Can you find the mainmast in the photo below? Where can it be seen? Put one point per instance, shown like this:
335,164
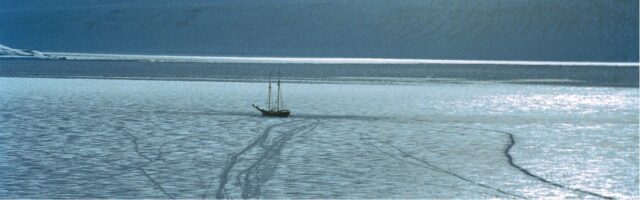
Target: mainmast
279,97
269,96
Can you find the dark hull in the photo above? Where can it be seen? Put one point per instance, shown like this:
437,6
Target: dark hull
273,113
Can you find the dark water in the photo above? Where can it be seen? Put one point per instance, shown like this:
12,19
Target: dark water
369,74
568,30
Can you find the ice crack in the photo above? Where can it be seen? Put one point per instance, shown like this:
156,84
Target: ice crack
429,165
526,172
263,167
510,159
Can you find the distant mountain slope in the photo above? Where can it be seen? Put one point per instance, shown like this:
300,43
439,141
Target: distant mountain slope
8,52
568,30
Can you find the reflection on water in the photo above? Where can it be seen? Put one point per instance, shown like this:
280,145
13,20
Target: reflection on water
584,103
66,138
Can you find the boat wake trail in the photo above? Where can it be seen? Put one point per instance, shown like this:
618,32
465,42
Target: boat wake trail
512,142
397,153
255,164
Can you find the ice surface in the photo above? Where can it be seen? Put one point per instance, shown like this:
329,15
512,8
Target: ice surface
81,138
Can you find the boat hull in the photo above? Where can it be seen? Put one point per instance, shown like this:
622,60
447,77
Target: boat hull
273,113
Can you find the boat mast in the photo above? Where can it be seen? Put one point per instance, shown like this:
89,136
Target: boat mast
278,97
281,101
269,96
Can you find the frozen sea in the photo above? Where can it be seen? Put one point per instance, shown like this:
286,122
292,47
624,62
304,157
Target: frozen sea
375,138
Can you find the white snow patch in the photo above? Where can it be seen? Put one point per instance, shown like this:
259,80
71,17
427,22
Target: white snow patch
299,60
13,53
8,52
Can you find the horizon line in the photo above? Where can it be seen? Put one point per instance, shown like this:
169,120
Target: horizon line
311,60
324,60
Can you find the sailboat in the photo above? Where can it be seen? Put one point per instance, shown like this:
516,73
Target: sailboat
276,110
